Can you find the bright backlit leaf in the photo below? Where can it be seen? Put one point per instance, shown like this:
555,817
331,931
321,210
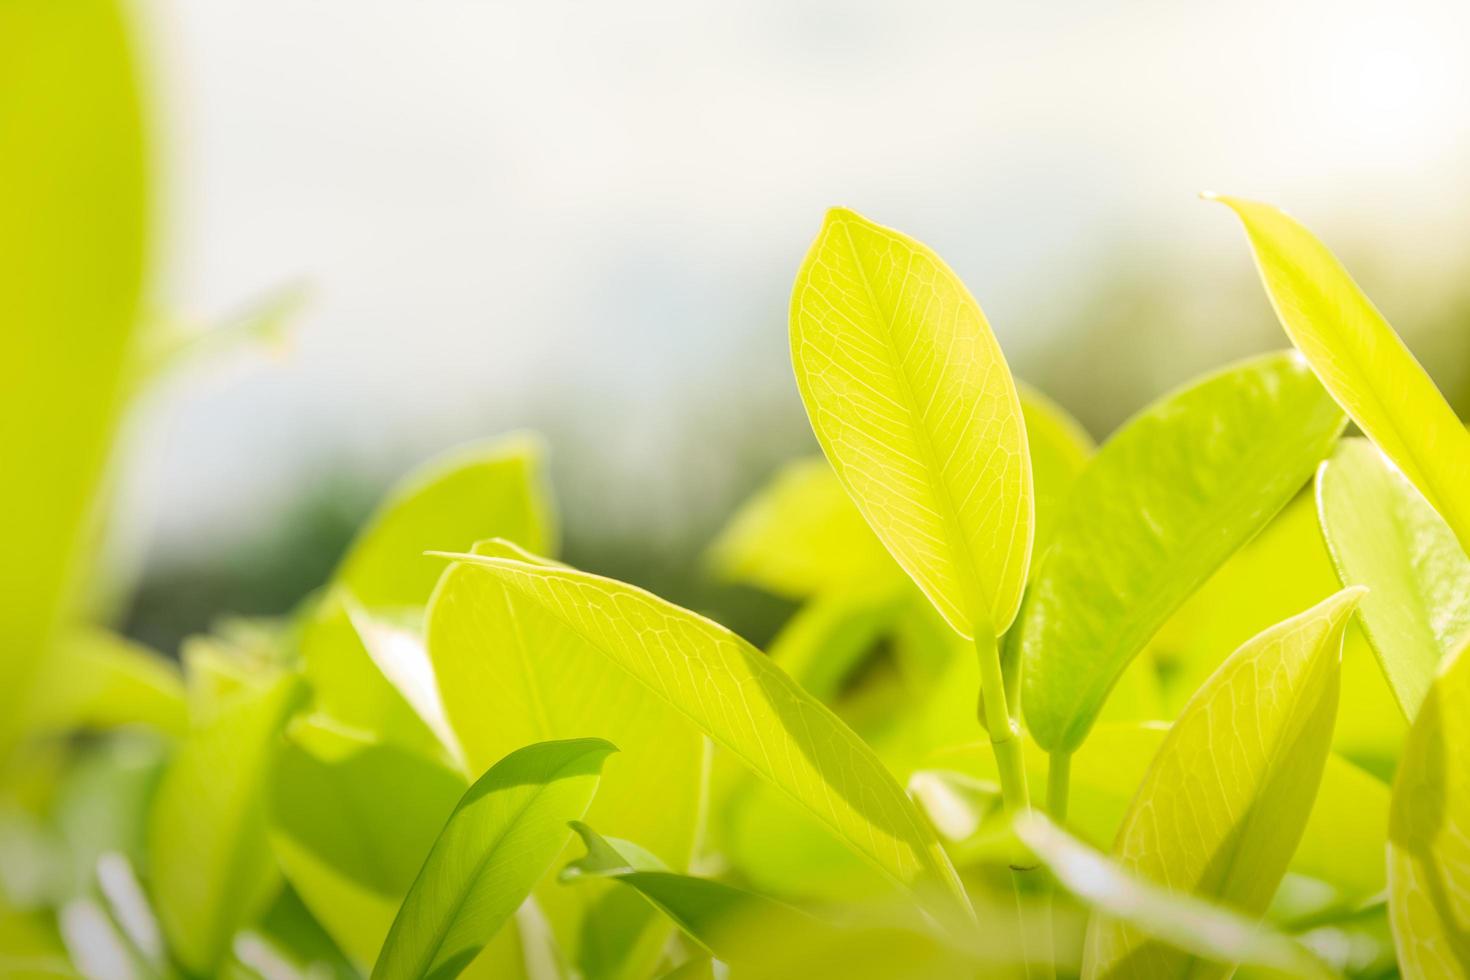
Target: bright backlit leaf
73,220
1226,799
1188,924
1384,535
1060,449
209,860
490,490
502,837
1361,360
1162,505
914,406
512,672
1429,833
743,702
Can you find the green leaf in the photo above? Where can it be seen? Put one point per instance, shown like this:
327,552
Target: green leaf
1226,799
1162,505
743,702
1429,833
351,823
720,918
502,837
350,687
512,672
1384,535
801,536
1060,449
73,230
209,860
486,490
1281,571
1361,360
913,404
1187,924
97,679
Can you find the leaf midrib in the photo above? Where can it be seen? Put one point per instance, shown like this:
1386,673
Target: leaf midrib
949,513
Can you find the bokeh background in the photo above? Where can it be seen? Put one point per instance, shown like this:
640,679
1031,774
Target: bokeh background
584,219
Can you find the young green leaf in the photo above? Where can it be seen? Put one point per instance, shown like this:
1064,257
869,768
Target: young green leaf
1188,924
1060,449
1429,833
736,696
502,837
1162,505
1361,360
718,917
351,822
73,228
209,860
1384,535
1228,795
511,672
485,490
914,406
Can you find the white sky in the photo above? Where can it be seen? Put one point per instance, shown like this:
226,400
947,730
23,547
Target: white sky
504,206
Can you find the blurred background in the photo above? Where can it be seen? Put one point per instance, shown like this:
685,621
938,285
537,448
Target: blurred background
584,219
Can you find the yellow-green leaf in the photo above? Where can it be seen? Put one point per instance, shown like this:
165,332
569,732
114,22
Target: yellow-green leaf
1162,505
209,860
1429,833
98,679
914,406
73,222
487,490
1384,535
743,702
499,841
511,672
1361,360
1226,799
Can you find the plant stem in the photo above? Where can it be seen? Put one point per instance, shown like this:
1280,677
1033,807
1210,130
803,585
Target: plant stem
1005,736
1058,782
1005,742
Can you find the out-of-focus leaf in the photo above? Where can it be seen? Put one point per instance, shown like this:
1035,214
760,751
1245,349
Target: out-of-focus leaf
1188,924
502,837
209,861
351,823
914,406
716,916
103,802
512,672
1384,535
480,491
1341,846
801,536
1060,449
286,944
347,683
1162,505
73,218
30,947
1284,569
1227,797
743,702
1429,833
825,641
97,679
169,344
1361,360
